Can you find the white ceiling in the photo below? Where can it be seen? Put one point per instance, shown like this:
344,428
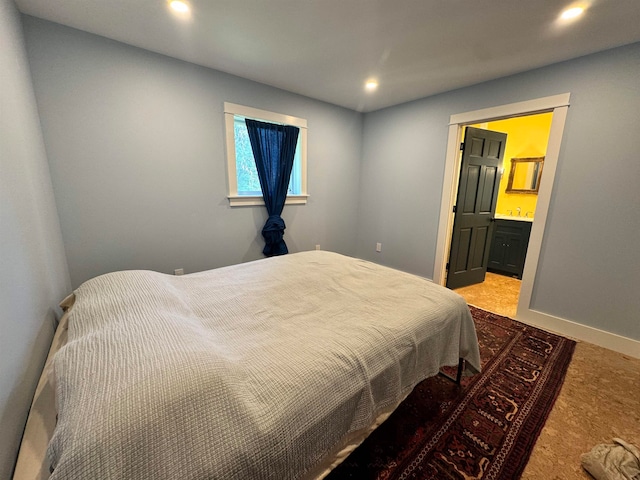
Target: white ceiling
326,49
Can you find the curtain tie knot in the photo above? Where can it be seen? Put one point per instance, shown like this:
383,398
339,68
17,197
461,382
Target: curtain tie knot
273,231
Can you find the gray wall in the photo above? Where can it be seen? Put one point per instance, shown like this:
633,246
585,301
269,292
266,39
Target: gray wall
136,150
589,270
33,271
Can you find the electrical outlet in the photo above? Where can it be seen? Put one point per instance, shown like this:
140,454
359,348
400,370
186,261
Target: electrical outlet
378,247
178,271
317,247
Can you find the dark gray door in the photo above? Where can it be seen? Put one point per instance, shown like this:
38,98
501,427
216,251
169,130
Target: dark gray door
475,206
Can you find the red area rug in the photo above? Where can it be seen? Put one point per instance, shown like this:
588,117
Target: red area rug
484,429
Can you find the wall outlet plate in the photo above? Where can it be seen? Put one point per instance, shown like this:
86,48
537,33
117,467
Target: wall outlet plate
178,271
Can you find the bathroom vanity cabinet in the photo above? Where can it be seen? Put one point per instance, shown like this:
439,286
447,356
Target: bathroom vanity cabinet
509,247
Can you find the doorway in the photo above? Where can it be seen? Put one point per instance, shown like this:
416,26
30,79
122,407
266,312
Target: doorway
497,286
556,105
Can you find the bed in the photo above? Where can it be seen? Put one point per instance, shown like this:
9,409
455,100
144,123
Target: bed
276,368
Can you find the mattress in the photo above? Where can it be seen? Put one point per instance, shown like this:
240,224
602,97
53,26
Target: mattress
267,369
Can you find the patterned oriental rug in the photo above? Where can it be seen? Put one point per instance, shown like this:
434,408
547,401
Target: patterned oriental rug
484,429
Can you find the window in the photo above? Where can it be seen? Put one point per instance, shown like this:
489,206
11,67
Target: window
243,182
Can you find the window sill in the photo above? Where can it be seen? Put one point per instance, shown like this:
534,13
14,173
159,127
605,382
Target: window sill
248,201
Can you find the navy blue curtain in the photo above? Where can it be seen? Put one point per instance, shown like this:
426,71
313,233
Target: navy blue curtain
274,148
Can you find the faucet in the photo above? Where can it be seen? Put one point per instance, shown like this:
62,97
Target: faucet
519,210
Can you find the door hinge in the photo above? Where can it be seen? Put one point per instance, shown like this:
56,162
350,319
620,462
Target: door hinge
462,146
454,209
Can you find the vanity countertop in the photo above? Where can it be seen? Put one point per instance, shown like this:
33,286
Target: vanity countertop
501,216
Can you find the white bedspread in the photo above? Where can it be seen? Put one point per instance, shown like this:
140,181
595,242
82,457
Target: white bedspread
256,371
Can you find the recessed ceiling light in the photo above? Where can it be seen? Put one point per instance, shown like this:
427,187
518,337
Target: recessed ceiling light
371,85
571,13
179,6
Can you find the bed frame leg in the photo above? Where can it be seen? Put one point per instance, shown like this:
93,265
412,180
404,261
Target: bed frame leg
458,377
460,370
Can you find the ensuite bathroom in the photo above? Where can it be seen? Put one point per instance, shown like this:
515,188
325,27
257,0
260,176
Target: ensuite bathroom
523,164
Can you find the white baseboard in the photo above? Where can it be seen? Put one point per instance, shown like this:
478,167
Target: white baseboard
567,328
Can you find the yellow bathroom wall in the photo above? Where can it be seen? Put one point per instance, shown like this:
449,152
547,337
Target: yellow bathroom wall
526,137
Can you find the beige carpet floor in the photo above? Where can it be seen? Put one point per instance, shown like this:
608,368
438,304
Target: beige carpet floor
600,398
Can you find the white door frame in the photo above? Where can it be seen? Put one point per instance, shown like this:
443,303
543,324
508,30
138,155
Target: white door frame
558,104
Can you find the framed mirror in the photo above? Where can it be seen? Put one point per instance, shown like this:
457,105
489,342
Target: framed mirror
525,174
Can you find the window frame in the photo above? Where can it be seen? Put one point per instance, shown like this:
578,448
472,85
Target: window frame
232,110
